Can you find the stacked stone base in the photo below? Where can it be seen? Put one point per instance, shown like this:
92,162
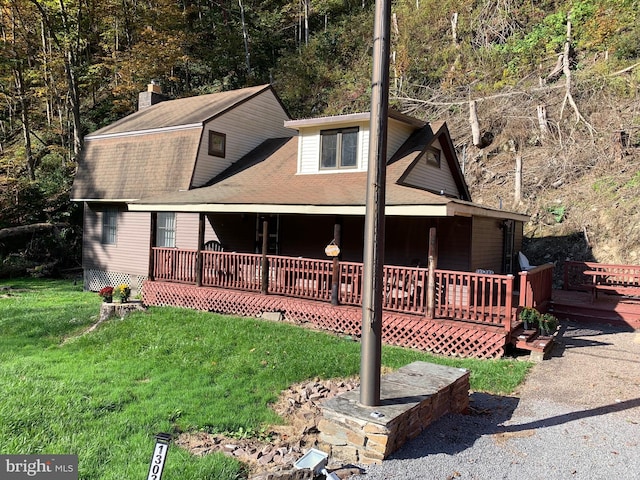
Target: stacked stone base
411,399
108,310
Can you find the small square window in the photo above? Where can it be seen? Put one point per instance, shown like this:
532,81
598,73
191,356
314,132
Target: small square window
432,155
217,144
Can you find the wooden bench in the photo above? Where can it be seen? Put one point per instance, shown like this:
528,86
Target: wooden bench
618,283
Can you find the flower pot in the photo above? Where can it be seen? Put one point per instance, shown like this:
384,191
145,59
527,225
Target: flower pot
107,299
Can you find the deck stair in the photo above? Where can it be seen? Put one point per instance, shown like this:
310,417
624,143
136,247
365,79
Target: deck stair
530,340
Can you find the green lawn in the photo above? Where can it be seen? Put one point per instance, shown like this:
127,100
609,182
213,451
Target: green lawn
104,395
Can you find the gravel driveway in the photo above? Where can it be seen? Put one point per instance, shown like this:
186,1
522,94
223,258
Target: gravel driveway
577,416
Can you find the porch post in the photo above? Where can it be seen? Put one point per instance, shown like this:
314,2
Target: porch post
265,266
152,243
200,245
371,348
335,282
432,264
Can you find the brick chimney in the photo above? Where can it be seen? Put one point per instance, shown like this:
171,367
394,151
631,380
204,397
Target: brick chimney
152,96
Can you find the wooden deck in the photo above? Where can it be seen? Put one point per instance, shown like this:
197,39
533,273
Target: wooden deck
608,309
441,336
466,314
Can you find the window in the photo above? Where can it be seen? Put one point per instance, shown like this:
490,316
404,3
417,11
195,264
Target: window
109,226
339,148
432,155
217,144
166,229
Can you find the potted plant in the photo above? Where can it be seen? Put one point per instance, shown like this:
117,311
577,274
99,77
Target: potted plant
548,324
107,294
529,316
122,292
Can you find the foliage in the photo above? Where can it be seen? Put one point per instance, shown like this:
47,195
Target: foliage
70,67
529,316
104,394
122,292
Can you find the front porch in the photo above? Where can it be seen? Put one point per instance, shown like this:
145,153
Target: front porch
462,314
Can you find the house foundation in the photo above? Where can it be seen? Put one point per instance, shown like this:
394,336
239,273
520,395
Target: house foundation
411,399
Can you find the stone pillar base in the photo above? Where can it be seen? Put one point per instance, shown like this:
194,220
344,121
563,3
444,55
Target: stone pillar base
411,399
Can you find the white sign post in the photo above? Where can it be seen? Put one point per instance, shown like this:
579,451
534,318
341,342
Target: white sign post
159,456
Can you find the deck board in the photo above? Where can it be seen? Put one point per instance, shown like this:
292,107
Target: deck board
612,309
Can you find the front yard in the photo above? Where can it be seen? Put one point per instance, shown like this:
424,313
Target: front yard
104,395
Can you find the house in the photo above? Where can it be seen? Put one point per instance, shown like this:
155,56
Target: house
224,203
236,159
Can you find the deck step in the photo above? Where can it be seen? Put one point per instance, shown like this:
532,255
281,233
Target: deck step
531,341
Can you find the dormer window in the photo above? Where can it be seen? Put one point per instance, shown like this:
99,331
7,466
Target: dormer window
339,148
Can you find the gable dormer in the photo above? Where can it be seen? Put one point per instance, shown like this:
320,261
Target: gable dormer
340,144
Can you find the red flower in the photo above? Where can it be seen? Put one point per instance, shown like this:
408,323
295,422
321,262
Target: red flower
106,292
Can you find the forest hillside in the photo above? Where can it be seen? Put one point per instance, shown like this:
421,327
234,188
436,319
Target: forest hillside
541,98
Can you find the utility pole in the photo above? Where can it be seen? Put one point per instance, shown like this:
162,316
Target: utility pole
373,255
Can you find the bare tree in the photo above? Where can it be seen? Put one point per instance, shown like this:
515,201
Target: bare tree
566,69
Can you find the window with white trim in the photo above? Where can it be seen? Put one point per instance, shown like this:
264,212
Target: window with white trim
109,226
166,229
339,148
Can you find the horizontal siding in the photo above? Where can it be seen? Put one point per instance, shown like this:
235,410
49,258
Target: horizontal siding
245,127
309,145
487,244
309,148
432,178
129,255
398,133
187,231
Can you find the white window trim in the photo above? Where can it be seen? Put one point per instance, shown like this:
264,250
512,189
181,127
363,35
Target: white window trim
339,132
109,233
162,230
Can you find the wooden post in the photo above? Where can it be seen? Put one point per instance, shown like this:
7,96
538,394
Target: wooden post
335,279
265,263
199,255
152,243
433,264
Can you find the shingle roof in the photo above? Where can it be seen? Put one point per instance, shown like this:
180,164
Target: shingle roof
182,111
132,167
268,176
151,151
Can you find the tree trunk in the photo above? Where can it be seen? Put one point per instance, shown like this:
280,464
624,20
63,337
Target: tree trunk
517,195
475,126
24,115
245,38
542,122
454,28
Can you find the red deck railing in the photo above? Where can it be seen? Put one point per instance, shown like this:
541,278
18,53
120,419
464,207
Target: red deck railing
575,278
536,287
475,297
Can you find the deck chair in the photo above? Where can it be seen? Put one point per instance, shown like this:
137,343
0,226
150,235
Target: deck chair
213,246
524,262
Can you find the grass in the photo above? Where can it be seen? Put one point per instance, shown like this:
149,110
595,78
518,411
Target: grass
104,395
